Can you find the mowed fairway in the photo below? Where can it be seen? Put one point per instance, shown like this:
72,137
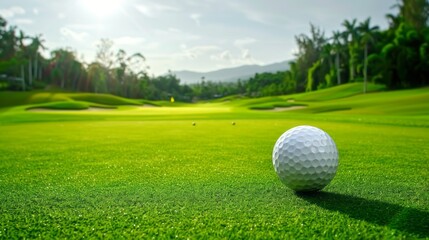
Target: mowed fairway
149,173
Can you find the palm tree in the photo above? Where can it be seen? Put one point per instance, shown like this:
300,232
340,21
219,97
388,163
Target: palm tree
367,33
36,44
337,47
393,20
23,53
351,34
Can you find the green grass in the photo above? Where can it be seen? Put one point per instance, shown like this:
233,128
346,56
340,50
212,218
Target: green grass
342,91
137,172
273,105
348,99
68,105
406,102
12,99
168,178
321,97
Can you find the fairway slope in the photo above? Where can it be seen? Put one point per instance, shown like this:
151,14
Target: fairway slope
337,92
404,102
68,105
12,99
304,99
347,99
394,107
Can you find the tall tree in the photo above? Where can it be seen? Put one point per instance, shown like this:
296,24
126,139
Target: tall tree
97,77
105,56
415,13
61,67
35,46
351,34
8,40
337,48
309,52
367,37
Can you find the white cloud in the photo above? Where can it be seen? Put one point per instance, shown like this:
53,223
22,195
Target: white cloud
177,35
36,11
242,42
12,11
226,55
77,36
196,17
154,9
227,59
145,10
152,45
223,56
165,8
174,30
127,40
245,54
61,15
254,15
240,56
86,27
23,21
198,51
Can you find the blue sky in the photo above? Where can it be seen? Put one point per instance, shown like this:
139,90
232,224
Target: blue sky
199,35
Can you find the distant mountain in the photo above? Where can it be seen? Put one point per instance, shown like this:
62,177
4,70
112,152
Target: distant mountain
230,74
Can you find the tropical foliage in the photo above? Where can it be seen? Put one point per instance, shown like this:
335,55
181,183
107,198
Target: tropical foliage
397,57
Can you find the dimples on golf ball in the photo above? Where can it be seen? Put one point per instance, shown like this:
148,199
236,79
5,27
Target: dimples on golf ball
305,158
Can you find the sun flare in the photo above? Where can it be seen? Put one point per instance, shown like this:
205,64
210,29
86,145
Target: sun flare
101,8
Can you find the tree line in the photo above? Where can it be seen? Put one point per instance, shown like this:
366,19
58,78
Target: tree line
359,52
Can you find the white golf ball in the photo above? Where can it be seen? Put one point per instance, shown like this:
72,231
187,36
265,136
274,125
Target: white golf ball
305,158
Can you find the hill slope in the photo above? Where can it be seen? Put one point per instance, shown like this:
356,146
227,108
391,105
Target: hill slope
346,99
230,74
11,99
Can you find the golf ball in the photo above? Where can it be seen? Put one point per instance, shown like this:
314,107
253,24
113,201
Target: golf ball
305,158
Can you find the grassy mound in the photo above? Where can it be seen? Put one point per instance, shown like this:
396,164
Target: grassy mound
273,105
11,99
342,91
301,99
403,102
106,99
65,105
348,98
251,102
69,105
150,103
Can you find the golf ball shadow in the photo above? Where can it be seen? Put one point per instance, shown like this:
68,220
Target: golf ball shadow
405,219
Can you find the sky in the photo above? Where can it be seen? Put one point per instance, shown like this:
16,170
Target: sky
197,35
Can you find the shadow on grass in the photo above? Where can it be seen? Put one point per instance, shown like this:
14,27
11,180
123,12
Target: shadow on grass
394,216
